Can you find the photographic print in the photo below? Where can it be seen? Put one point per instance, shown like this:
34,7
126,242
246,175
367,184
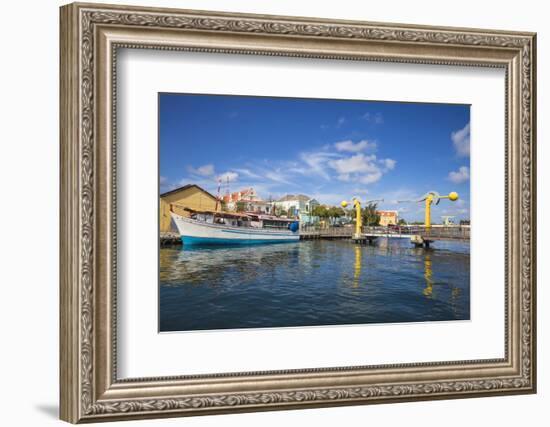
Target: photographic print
287,212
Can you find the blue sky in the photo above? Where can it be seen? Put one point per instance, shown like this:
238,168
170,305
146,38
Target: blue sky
331,150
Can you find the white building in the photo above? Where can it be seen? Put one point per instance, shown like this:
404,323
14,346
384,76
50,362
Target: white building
257,206
250,200
296,205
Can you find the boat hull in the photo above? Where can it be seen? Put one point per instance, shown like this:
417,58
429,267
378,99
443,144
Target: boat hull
194,232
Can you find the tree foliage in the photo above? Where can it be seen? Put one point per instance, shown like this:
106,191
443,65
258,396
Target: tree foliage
324,212
320,211
336,212
370,216
241,206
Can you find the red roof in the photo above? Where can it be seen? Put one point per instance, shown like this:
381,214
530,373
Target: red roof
238,195
387,213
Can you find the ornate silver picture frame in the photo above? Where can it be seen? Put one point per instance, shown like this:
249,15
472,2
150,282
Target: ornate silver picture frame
91,390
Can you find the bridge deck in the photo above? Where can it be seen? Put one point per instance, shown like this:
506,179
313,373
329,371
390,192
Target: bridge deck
428,234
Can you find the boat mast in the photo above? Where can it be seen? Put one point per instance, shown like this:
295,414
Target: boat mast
218,195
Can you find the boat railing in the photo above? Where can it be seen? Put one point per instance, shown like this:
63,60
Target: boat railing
435,232
244,222
328,231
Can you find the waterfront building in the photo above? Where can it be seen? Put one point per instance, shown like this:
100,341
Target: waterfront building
298,206
388,218
189,196
249,199
448,220
258,206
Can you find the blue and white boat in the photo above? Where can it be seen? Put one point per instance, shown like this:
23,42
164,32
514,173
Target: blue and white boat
227,228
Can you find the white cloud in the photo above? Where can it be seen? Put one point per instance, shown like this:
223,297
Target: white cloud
204,170
376,118
395,197
460,176
361,168
358,163
316,162
331,199
371,178
228,177
341,121
248,173
166,185
185,181
352,147
461,141
170,186
277,176
453,211
389,164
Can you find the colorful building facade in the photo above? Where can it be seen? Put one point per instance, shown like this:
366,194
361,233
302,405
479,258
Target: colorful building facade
189,196
388,218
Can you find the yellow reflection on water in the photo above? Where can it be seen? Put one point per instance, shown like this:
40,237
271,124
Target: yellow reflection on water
428,273
428,290
357,266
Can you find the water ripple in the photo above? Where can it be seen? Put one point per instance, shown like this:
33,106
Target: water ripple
312,283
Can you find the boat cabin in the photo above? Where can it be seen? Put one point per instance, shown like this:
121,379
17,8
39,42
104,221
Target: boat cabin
222,218
270,221
247,219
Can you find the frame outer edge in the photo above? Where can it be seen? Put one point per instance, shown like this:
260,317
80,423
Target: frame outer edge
77,339
533,218
69,355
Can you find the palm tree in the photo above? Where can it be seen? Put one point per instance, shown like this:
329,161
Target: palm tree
370,216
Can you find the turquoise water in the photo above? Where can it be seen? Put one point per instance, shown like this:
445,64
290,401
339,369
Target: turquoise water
311,283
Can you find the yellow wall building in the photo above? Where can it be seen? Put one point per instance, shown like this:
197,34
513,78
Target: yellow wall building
388,218
189,196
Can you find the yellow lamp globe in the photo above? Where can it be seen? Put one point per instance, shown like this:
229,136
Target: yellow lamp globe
453,196
344,204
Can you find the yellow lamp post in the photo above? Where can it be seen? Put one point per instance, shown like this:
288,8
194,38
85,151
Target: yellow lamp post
434,197
428,199
358,215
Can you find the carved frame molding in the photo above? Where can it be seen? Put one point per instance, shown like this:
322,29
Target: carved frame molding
90,37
